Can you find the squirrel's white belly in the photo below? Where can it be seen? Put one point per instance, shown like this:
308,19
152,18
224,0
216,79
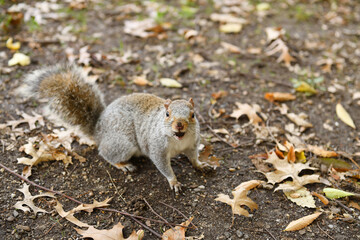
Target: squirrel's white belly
178,146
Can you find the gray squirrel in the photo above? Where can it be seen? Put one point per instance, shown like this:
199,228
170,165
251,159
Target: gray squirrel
138,124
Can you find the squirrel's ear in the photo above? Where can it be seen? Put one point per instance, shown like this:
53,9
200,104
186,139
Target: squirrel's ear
167,103
191,102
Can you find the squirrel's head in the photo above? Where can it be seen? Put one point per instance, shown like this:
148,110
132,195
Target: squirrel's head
180,115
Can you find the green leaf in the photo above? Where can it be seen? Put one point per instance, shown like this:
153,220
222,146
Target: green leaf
333,193
336,163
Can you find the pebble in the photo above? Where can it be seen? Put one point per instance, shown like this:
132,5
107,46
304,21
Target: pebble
331,226
10,218
15,213
12,195
22,227
239,234
227,235
302,231
232,169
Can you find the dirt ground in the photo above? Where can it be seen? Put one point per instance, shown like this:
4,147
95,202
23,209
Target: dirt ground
314,30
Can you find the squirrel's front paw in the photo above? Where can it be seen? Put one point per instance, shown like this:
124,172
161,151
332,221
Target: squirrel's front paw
175,185
204,166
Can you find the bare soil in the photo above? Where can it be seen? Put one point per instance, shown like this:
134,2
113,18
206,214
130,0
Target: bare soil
245,76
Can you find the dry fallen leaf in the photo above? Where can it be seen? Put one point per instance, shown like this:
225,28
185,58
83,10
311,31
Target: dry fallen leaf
42,152
116,233
141,81
82,207
31,120
279,97
302,222
171,83
285,169
354,205
219,94
344,116
274,33
249,111
299,120
319,151
230,47
279,46
177,233
29,200
227,18
204,156
141,28
240,198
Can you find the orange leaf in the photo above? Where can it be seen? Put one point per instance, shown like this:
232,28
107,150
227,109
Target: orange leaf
279,153
302,222
291,155
354,205
219,94
279,96
204,156
322,198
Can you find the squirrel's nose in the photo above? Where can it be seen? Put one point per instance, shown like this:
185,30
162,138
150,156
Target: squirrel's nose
179,126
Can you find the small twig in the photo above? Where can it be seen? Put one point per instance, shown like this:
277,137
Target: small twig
324,231
50,228
342,205
200,117
220,138
209,111
270,234
177,210
116,190
158,214
133,217
272,136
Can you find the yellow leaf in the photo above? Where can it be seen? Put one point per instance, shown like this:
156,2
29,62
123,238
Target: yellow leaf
344,115
305,87
262,7
168,82
301,197
19,58
302,222
11,45
230,28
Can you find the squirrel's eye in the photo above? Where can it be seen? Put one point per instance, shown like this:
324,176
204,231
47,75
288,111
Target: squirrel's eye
193,115
167,114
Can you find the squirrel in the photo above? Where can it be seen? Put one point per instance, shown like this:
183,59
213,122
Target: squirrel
138,124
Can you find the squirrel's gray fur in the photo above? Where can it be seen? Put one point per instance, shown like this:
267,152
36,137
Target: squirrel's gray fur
133,125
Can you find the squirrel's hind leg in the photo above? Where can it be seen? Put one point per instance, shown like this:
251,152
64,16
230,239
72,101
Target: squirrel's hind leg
118,153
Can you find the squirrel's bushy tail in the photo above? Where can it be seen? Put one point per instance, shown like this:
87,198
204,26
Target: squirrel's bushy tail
71,97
